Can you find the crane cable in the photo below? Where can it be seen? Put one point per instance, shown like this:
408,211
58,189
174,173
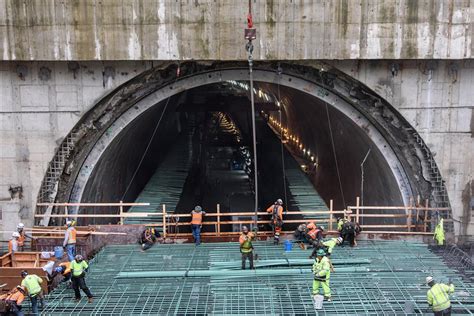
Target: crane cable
249,49
279,72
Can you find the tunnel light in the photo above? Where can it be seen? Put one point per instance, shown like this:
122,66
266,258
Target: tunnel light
309,152
304,151
278,103
312,158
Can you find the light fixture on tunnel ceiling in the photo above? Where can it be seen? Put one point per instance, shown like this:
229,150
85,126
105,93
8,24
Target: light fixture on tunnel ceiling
301,146
304,151
278,103
312,158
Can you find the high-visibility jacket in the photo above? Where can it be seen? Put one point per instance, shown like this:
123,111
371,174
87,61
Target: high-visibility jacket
313,234
67,266
439,233
322,268
331,243
69,236
245,241
78,268
277,211
196,217
311,226
16,297
13,245
32,283
438,296
340,223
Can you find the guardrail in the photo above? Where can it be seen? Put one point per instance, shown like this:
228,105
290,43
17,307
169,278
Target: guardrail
416,219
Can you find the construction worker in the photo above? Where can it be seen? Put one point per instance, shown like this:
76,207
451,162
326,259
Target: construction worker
63,268
78,272
13,243
315,234
196,223
148,238
439,233
32,284
349,232
277,219
21,241
300,233
13,300
438,296
322,273
70,240
246,247
327,246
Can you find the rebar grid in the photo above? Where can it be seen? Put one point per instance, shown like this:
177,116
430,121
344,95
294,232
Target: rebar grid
391,282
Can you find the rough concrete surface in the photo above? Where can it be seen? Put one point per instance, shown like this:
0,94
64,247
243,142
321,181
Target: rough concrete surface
210,29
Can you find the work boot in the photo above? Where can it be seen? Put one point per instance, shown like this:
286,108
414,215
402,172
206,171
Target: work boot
90,300
77,300
328,299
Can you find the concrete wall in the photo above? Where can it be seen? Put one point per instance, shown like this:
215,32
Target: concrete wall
210,29
37,111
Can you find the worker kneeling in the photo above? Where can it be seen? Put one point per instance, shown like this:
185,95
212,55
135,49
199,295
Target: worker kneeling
246,247
79,267
148,238
13,300
322,274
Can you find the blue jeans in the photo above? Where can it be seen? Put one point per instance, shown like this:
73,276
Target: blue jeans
196,233
34,304
71,251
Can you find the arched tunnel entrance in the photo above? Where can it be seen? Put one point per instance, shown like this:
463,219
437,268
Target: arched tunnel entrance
185,140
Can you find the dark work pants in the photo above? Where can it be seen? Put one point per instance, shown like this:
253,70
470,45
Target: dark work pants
80,282
444,312
147,245
350,237
246,255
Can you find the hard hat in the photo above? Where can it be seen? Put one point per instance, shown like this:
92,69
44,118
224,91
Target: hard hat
321,253
198,208
279,201
20,226
429,279
20,288
24,273
59,269
339,239
68,223
16,235
78,258
245,229
321,227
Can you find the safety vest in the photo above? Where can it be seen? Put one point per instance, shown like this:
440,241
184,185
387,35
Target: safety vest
21,239
67,266
196,218
340,223
16,297
322,268
32,284
438,296
246,242
439,233
311,226
314,233
71,238
331,243
78,268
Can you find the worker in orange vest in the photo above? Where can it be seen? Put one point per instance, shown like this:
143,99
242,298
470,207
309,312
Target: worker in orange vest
21,241
315,234
13,300
70,240
63,268
196,223
277,219
13,243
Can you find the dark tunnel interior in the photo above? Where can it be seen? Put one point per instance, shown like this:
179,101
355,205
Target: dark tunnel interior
202,151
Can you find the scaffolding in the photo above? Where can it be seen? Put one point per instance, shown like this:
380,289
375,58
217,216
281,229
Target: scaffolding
375,278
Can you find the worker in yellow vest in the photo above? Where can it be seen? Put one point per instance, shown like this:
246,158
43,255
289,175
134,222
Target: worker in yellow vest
438,297
439,233
196,223
246,247
322,273
78,273
32,284
70,240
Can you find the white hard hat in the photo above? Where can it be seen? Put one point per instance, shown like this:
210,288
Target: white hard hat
279,201
339,239
429,279
20,226
321,227
16,235
68,223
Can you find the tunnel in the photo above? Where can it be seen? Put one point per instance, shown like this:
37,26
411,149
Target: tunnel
182,133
